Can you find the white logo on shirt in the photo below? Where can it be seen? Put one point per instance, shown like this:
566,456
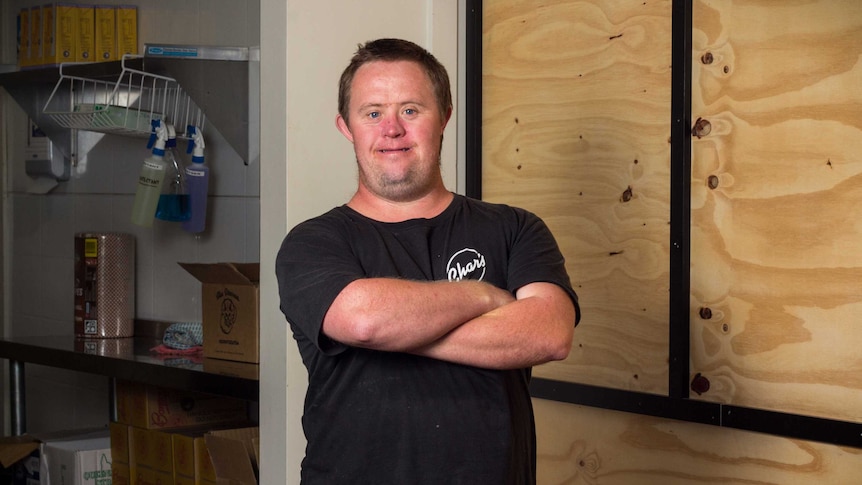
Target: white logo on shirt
466,264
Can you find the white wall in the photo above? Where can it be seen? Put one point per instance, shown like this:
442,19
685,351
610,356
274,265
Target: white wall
308,167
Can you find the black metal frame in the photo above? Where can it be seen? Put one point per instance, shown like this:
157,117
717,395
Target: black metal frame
473,96
677,404
680,196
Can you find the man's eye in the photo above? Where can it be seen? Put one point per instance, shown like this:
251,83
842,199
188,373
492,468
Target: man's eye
374,114
410,111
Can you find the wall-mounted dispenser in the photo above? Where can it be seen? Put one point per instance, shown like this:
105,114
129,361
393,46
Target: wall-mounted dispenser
44,168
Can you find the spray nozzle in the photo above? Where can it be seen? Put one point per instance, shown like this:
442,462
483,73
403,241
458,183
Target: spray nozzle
155,126
196,144
159,135
172,136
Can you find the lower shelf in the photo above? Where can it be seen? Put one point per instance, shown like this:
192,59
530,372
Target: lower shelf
132,359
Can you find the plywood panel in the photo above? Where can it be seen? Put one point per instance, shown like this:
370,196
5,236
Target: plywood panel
582,445
777,205
576,120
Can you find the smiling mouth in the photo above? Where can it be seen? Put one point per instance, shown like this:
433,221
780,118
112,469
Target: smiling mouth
394,150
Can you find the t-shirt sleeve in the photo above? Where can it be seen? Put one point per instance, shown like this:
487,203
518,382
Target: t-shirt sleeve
315,262
536,257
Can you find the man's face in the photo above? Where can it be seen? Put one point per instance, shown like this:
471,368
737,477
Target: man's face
396,129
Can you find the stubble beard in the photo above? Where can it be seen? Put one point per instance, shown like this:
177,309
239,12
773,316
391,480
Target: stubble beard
410,186
407,187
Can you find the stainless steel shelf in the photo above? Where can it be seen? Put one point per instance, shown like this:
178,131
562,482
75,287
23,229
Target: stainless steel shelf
125,358
133,361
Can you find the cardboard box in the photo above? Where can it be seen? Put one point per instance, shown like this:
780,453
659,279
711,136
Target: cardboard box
85,44
106,33
120,440
181,456
230,299
127,30
192,462
120,474
146,476
21,456
235,454
121,468
151,449
152,407
150,456
232,368
78,462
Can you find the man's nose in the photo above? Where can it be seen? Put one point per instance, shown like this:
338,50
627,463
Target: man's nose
393,126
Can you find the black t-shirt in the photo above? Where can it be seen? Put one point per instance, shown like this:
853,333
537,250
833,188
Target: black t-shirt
395,418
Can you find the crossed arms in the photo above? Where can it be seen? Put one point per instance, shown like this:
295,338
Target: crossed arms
466,322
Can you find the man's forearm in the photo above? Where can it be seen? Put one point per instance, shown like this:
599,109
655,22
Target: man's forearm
535,329
397,315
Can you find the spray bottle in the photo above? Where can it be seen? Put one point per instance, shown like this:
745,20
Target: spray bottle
197,179
151,177
174,199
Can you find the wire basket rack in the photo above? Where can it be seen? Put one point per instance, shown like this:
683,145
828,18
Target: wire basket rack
126,106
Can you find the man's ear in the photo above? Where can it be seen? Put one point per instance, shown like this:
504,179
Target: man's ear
341,124
446,118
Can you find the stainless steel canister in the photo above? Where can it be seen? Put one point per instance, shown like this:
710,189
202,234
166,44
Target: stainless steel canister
104,285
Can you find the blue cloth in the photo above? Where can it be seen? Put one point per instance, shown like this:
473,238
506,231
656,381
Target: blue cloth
184,335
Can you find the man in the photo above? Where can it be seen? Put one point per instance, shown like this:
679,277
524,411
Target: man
418,312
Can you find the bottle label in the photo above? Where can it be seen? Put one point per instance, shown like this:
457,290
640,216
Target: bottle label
149,179
195,173
154,166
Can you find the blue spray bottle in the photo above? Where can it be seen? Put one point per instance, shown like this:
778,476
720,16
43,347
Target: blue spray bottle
197,181
174,199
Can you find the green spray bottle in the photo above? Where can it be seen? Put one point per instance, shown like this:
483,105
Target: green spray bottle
151,177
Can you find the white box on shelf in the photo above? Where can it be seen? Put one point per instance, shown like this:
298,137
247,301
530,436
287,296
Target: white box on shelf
76,462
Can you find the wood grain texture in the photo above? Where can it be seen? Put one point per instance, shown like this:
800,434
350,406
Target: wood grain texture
776,205
576,120
582,445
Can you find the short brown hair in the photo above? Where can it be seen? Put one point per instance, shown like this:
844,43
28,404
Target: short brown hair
392,50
